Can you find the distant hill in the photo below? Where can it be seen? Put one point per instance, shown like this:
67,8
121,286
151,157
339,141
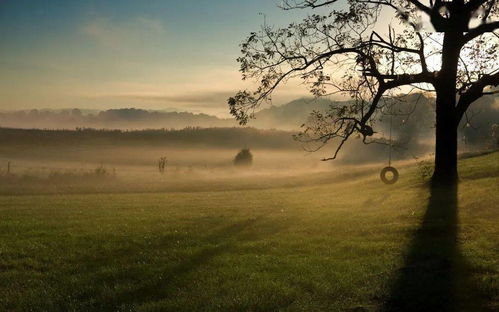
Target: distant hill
187,137
286,117
414,112
125,118
291,115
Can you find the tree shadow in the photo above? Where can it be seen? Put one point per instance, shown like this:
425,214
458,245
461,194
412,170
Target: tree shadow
170,280
435,276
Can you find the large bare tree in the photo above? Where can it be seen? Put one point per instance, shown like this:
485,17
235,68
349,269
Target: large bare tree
348,46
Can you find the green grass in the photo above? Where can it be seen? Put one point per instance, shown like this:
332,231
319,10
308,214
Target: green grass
319,247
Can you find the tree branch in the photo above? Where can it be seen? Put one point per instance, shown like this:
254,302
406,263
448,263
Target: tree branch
421,6
473,5
475,91
288,5
480,30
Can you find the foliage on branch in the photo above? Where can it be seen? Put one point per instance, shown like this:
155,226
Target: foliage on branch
343,52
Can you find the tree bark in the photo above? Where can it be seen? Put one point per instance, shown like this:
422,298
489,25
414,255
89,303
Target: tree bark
445,143
446,121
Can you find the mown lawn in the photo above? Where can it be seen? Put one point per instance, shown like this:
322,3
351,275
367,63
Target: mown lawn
351,246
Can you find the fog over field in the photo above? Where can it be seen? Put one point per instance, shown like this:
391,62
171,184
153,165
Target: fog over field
123,153
249,156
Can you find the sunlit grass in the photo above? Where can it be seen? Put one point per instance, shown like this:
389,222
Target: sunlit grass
334,246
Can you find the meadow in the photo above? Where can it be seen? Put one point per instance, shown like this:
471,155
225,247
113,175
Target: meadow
303,242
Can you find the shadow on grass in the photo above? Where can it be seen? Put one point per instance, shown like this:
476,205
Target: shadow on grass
171,280
435,276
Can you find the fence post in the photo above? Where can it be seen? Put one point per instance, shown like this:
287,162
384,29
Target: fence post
8,168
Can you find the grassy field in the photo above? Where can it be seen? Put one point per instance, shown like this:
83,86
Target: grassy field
352,245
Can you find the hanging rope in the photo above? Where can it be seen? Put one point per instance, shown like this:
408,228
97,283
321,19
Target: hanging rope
394,173
390,147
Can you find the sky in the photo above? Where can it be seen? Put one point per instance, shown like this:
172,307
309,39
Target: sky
153,54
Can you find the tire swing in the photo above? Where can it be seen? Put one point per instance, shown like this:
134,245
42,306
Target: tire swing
385,175
389,175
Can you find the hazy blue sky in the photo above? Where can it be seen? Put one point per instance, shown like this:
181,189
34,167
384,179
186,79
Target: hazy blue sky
158,54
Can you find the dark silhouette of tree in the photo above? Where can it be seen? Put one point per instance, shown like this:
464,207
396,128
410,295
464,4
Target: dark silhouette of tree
341,49
162,163
244,158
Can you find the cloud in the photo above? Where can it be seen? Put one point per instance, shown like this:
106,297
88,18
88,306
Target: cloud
206,101
200,99
123,34
209,102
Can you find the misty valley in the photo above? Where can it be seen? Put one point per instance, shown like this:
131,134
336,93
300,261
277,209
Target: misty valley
252,156
68,157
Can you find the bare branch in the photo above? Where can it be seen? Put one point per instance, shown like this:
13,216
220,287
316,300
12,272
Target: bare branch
475,92
343,52
480,30
288,4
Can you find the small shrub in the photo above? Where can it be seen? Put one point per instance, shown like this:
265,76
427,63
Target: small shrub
425,170
101,171
244,158
162,163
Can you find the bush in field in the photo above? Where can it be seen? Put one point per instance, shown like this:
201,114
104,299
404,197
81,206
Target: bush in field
162,163
425,170
98,173
101,171
244,158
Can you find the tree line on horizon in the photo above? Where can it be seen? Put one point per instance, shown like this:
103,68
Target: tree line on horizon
284,117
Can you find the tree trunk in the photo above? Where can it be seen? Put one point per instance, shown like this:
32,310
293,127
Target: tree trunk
445,143
446,121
